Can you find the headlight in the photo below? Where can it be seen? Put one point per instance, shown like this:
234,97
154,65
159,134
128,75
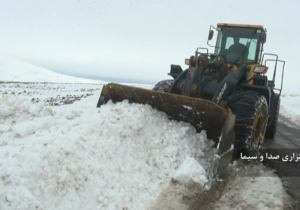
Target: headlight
261,69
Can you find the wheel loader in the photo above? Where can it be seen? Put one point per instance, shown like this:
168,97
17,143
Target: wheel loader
226,92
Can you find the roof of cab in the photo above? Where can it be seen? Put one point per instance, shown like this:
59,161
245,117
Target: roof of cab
239,25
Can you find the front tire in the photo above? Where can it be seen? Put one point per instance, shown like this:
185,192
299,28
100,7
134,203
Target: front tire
272,128
251,111
164,85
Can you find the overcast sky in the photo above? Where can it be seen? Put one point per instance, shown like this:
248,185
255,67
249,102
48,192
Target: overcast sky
136,39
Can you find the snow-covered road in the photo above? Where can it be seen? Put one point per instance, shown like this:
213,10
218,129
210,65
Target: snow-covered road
58,151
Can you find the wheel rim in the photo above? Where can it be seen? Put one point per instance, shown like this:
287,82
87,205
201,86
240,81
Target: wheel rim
258,132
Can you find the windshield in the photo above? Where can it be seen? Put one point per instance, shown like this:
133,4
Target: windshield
238,45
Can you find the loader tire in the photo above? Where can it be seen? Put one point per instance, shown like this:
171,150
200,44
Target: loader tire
164,85
251,111
272,128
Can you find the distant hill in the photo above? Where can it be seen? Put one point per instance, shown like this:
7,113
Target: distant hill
12,69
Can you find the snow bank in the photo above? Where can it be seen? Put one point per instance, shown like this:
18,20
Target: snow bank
79,157
290,107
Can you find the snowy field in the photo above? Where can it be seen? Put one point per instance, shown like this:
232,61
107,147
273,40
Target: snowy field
58,151
289,108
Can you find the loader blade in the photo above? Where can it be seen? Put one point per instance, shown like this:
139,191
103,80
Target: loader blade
225,150
202,114
217,167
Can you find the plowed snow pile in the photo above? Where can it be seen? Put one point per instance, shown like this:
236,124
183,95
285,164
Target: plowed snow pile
73,157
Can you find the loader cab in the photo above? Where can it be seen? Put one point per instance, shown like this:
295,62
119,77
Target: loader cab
250,40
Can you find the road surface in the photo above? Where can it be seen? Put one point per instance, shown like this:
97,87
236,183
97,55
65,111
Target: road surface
285,143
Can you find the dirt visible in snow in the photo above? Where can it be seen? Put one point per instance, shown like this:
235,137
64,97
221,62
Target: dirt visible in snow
260,189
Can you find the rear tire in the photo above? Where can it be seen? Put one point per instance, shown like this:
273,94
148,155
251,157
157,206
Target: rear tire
164,85
251,111
272,128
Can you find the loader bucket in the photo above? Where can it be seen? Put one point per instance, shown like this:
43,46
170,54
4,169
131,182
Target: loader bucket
202,114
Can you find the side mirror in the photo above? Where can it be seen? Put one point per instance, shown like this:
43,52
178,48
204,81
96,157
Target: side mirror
210,35
187,61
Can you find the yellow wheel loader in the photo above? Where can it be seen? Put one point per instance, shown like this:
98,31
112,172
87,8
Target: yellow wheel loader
226,93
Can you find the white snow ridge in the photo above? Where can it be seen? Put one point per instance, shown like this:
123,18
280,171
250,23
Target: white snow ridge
77,158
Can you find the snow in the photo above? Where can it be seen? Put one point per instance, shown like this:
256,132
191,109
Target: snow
58,151
139,85
13,69
187,107
290,106
262,189
83,157
190,172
